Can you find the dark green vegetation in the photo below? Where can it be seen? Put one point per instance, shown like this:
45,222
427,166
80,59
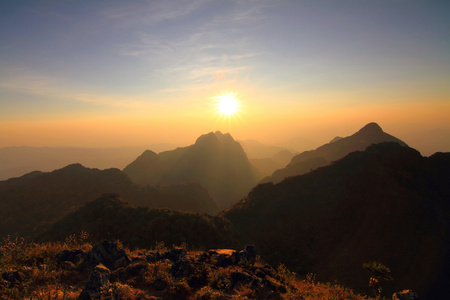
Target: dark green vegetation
109,217
387,203
336,149
216,161
31,203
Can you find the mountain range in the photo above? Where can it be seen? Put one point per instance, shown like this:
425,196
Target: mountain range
216,161
363,198
386,204
336,149
31,203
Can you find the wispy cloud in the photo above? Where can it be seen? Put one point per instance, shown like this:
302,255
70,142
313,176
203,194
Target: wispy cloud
33,83
215,46
145,13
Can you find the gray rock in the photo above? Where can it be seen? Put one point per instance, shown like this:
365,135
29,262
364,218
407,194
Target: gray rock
405,295
98,279
108,254
136,271
175,254
74,256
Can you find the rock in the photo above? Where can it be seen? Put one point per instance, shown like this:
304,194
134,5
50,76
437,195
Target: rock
405,295
238,277
224,257
198,279
98,279
108,254
181,268
13,277
175,254
136,271
68,266
73,256
84,295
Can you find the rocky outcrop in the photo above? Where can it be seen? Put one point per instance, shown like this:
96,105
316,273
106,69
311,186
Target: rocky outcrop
222,269
108,254
405,295
98,279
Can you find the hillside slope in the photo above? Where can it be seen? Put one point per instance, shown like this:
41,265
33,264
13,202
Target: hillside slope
109,217
31,203
387,204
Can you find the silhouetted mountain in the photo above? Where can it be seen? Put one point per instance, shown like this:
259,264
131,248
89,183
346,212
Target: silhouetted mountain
31,203
109,217
268,165
257,150
17,161
336,149
216,161
387,204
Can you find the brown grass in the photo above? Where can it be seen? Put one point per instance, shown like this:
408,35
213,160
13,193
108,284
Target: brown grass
43,279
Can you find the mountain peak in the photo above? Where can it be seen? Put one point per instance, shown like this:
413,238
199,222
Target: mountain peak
371,128
214,137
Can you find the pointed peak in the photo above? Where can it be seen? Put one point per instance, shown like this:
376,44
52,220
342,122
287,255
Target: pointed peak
371,128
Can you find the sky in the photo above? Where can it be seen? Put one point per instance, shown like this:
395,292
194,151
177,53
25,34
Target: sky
125,73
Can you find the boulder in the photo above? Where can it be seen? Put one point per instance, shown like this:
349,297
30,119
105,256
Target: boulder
73,256
108,254
134,271
248,255
98,279
224,257
175,254
13,277
405,295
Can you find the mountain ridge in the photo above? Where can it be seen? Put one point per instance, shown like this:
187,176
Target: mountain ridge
376,204
215,160
36,200
306,161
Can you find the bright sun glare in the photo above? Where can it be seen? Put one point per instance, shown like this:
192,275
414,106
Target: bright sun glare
227,105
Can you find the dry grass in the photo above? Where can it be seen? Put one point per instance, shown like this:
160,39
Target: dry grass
41,278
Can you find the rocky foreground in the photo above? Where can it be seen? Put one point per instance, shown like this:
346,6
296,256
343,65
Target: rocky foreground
108,271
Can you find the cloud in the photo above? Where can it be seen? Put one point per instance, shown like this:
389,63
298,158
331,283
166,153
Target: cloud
23,81
145,13
213,47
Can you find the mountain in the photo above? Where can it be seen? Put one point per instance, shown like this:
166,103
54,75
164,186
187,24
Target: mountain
336,149
31,203
17,161
386,204
216,161
257,150
110,217
268,165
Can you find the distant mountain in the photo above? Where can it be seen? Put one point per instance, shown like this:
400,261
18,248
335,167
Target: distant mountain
257,150
17,161
336,149
31,203
268,165
216,161
386,204
109,217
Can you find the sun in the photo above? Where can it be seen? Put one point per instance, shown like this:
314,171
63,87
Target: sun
227,105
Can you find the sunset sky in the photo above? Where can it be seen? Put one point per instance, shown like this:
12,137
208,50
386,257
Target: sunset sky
125,73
